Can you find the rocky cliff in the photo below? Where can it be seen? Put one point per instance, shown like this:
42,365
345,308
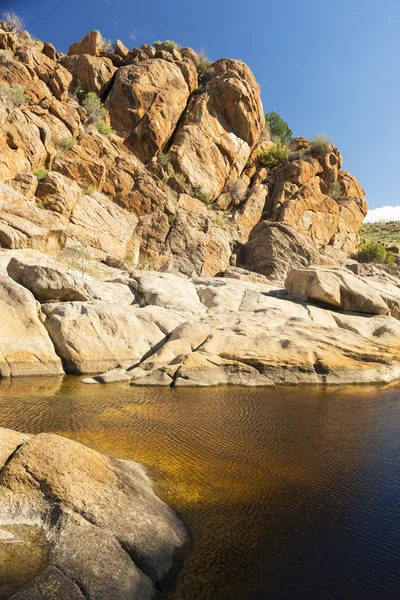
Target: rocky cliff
129,179
167,170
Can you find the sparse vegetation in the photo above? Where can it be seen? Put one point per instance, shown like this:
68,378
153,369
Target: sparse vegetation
321,144
96,113
104,128
6,57
15,93
335,190
12,21
179,177
384,232
90,190
204,61
67,144
199,193
107,45
374,252
273,156
80,256
170,43
280,131
163,159
41,173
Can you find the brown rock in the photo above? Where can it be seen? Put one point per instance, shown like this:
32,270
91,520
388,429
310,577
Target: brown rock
92,73
220,127
25,347
120,49
275,247
146,102
92,44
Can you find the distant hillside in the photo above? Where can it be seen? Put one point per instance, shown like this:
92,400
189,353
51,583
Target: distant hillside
386,233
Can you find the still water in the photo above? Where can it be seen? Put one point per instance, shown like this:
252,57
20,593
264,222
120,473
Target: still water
290,493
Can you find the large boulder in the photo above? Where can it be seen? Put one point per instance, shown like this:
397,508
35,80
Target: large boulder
91,73
146,103
337,288
109,536
92,337
273,248
25,347
220,127
49,280
92,43
92,218
24,225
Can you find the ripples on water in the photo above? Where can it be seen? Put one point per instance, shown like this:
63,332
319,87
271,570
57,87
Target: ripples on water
290,493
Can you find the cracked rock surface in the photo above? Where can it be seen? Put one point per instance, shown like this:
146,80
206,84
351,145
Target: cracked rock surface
109,535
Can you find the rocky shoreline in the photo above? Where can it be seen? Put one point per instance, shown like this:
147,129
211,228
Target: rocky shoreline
326,326
108,535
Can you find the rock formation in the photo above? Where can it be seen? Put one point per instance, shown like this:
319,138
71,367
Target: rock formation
117,214
108,535
179,183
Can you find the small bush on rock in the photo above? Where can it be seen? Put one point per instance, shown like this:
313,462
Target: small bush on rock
273,156
90,190
373,252
96,113
335,190
41,173
6,57
15,93
12,21
163,159
321,144
199,193
170,43
67,144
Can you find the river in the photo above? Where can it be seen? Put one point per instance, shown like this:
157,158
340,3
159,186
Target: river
289,493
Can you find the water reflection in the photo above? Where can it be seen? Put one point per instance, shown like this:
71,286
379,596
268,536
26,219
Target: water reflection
290,492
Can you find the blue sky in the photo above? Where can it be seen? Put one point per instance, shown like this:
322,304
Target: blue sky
330,67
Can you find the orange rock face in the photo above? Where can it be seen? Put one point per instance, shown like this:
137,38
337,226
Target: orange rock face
178,184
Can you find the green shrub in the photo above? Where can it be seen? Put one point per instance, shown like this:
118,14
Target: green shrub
97,113
179,177
273,156
6,57
104,128
67,144
170,43
199,193
279,129
90,190
390,258
15,93
163,159
41,173
372,252
321,144
95,110
12,21
335,190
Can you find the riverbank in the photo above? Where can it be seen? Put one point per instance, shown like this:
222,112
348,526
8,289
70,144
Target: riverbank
324,326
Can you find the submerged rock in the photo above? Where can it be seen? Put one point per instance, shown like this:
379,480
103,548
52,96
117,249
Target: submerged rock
109,535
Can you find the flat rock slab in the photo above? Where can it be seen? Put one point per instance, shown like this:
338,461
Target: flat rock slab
50,585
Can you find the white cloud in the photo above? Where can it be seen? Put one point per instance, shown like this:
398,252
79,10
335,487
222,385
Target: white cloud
135,33
384,213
